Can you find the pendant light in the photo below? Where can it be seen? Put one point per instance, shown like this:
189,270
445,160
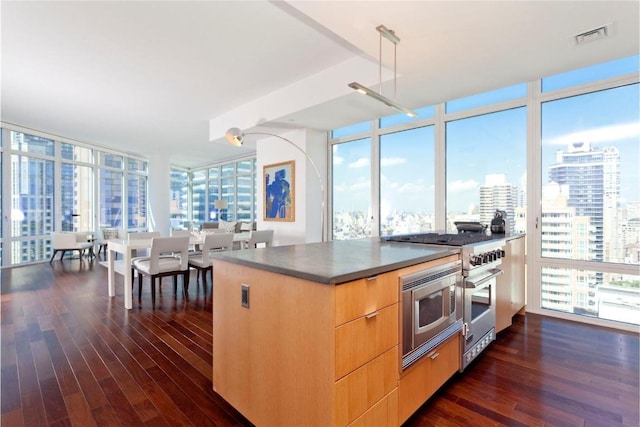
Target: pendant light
391,36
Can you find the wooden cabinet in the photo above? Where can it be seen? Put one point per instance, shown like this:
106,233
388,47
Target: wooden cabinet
425,377
305,353
510,293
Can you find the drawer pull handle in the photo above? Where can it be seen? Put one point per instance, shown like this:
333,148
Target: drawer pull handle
371,278
434,355
371,315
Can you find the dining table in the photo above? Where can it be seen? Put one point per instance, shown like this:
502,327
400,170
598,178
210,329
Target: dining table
126,248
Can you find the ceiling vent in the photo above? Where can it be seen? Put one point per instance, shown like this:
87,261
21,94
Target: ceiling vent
593,35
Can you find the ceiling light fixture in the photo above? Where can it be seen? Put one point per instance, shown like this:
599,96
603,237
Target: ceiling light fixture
391,36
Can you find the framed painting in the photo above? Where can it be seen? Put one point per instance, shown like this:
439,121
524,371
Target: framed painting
279,191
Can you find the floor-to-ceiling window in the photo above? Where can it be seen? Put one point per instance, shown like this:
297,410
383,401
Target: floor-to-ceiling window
76,187
111,191
31,216
486,158
582,224
231,182
53,185
589,216
179,199
407,181
351,178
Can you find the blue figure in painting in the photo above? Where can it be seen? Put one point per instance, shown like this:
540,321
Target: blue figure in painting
278,196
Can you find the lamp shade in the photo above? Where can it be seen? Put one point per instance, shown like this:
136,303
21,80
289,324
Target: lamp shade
220,204
234,136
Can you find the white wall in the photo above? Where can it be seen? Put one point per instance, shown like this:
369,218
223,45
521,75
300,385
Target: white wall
308,195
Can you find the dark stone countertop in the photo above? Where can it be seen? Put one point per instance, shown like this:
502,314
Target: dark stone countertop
337,261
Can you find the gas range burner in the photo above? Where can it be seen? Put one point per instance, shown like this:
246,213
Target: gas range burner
460,239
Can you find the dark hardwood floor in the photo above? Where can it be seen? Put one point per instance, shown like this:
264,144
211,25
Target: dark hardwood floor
73,356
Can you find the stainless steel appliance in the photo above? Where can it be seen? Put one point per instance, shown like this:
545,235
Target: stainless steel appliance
480,266
431,309
481,257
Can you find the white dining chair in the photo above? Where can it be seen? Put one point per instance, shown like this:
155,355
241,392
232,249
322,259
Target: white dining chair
202,261
140,236
259,237
157,266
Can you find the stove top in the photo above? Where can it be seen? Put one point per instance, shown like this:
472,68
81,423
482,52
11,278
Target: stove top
459,239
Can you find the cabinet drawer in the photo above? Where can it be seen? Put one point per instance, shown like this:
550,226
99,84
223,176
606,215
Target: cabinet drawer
365,338
426,376
382,414
362,388
364,296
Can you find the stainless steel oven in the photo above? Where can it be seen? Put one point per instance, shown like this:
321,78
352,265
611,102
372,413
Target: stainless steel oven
481,257
479,312
431,309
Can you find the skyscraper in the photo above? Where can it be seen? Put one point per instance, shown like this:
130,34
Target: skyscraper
593,179
498,194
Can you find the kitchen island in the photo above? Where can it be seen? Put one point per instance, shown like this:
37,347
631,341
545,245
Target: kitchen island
308,334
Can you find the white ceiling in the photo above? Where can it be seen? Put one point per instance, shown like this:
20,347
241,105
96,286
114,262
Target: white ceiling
170,77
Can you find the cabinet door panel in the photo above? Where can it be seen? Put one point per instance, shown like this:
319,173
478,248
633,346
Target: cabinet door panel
364,296
362,388
426,376
361,340
384,413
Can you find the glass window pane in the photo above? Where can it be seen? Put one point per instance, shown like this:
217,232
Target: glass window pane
110,198
214,194
77,153
32,144
486,166
136,165
32,196
76,189
199,201
245,166
407,181
24,251
401,118
112,160
214,172
593,73
590,152
351,130
244,191
228,194
487,98
229,169
137,202
591,293
351,166
179,198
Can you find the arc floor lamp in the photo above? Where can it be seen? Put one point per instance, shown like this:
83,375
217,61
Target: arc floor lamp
236,137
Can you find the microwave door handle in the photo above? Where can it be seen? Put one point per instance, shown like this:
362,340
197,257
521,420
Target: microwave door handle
495,272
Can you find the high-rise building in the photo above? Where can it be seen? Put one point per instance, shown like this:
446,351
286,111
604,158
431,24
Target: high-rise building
593,179
580,221
498,194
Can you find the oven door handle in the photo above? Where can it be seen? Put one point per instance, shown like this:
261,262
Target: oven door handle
494,272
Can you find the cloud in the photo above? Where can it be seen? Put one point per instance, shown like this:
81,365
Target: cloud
360,163
337,160
351,187
459,186
601,134
412,187
392,161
